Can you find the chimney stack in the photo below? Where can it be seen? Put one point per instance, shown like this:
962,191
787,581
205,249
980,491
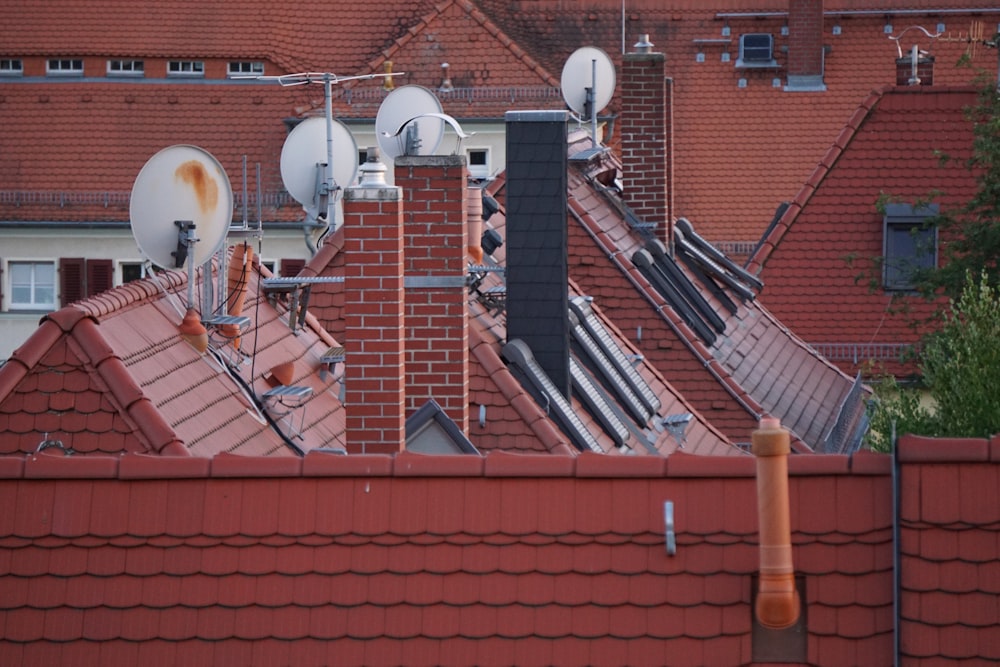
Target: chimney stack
921,74
537,239
373,305
805,46
647,138
437,306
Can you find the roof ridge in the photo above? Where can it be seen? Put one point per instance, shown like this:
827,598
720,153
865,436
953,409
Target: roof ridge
483,20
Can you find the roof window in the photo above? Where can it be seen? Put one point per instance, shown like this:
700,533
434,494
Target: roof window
756,50
125,67
186,68
245,68
64,67
11,67
909,244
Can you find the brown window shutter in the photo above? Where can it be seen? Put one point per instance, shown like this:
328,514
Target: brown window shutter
292,267
100,276
72,280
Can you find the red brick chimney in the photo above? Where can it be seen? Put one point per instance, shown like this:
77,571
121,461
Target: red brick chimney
647,138
437,307
805,46
374,309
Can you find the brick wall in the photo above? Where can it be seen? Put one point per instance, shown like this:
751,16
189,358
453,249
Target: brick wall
647,135
437,323
373,288
805,38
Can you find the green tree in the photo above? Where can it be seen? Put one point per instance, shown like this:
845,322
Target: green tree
960,365
973,229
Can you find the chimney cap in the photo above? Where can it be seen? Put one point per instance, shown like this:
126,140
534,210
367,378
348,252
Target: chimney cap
643,45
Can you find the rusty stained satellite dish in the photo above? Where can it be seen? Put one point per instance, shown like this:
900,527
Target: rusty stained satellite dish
180,183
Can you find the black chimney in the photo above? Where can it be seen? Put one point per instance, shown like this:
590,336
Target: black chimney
537,256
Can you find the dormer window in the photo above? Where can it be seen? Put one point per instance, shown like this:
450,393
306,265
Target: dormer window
64,67
11,67
125,67
186,68
246,68
909,244
757,50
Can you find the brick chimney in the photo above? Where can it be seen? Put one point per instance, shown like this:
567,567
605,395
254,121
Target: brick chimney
437,307
647,138
537,239
374,309
805,46
921,75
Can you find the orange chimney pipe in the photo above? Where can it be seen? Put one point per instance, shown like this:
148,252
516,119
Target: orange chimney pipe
777,604
239,273
474,209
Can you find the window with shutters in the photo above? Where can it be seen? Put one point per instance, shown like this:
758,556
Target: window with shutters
291,267
32,285
80,278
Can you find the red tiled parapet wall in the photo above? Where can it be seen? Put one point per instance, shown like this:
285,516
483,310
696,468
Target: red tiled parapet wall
505,559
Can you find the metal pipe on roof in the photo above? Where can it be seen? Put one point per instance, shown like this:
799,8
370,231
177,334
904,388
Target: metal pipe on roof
778,604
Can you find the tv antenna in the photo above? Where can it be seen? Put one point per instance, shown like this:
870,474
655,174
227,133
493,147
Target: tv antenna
329,188
179,190
410,122
588,83
976,37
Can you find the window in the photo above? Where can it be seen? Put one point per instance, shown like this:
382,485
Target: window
245,68
479,162
80,278
185,68
125,67
32,285
11,67
64,67
756,50
909,244
130,271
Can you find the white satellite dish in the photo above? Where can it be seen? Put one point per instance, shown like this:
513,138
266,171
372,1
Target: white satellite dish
588,71
304,155
409,122
180,184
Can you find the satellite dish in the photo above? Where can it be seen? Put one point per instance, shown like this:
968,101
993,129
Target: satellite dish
305,148
180,183
588,68
409,122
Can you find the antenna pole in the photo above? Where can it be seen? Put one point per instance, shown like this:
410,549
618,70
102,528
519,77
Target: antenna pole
328,102
592,94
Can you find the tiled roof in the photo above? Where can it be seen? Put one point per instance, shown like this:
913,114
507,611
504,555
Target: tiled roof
512,419
755,366
419,560
73,149
741,151
303,37
505,559
890,146
112,374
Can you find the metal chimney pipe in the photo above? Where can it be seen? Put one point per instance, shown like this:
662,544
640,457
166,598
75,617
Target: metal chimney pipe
778,604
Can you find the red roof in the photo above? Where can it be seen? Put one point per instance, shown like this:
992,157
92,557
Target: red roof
741,150
735,162
891,146
112,374
517,560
